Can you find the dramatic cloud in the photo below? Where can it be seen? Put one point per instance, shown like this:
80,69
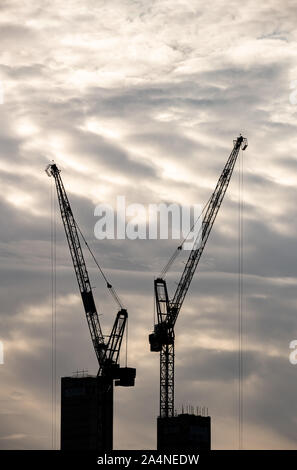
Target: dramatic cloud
143,99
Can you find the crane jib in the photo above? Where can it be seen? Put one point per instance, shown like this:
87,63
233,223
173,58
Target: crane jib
162,339
107,352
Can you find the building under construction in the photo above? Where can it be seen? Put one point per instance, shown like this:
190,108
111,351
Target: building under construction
87,410
184,432
86,413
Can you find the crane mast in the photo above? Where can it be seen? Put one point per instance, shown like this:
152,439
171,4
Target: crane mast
107,352
163,338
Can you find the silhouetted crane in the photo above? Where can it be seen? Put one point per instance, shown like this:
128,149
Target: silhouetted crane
163,338
107,350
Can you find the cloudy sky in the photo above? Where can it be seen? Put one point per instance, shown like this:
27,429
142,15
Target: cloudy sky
143,99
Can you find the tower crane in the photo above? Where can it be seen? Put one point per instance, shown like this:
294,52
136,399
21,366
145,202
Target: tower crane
163,337
107,350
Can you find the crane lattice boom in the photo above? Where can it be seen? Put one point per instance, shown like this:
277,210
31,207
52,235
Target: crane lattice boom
163,337
107,352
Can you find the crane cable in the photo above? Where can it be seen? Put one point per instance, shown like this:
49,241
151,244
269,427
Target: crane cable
108,284
180,247
53,320
240,302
